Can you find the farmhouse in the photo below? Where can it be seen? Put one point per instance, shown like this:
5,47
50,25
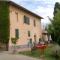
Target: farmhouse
18,22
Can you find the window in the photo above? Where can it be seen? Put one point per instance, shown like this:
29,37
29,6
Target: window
35,38
34,23
16,16
39,40
17,33
29,33
30,41
26,20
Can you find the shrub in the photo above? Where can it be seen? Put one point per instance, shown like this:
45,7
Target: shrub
55,52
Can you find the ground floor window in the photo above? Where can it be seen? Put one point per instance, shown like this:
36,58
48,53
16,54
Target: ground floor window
30,43
17,33
35,38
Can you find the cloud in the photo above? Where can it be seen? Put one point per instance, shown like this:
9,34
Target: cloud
44,12
57,0
43,8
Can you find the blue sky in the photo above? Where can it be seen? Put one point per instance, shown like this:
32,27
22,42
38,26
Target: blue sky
43,8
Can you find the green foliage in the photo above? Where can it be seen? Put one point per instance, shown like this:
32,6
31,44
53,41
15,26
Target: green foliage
14,40
49,54
4,22
55,52
35,53
57,7
54,27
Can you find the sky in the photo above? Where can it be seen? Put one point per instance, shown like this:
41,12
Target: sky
43,8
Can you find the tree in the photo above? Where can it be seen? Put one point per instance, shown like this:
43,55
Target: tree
4,23
54,28
57,7
56,25
14,40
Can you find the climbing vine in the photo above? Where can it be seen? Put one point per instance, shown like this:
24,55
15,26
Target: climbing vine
4,22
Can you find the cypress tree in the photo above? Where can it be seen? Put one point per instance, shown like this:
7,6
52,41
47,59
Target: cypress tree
4,23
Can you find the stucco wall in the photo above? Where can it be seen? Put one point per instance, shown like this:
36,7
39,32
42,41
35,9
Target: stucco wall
23,28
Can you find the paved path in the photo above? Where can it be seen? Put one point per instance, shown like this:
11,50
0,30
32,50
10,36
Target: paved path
5,56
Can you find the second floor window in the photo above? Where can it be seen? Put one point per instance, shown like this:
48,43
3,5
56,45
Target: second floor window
34,23
16,15
26,20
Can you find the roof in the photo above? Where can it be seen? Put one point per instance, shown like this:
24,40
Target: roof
24,9
44,32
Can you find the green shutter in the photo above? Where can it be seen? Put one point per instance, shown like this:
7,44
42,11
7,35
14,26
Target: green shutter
17,33
26,20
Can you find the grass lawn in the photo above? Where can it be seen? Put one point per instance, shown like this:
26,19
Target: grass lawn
37,53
